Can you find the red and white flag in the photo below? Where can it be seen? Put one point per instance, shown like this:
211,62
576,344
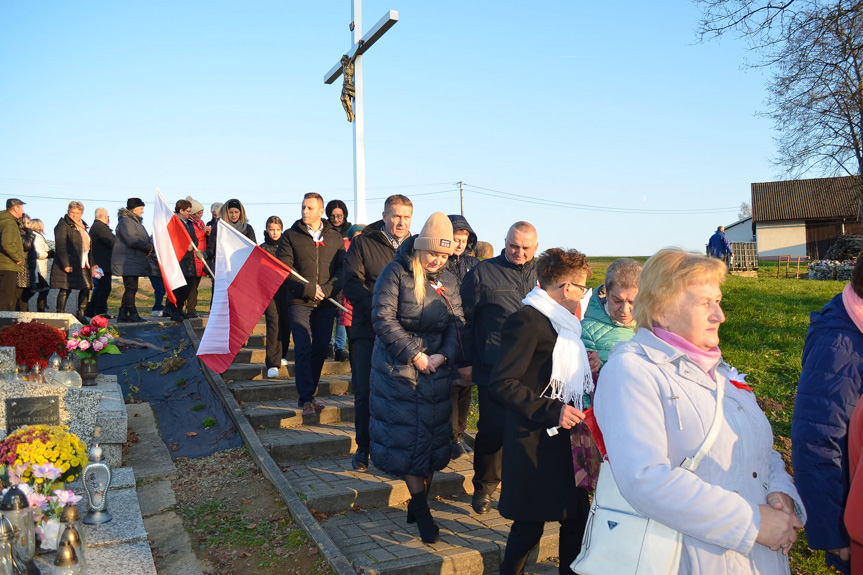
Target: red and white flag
171,241
246,279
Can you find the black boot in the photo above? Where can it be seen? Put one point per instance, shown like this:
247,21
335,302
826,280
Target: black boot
123,316
61,300
419,508
133,315
82,315
40,305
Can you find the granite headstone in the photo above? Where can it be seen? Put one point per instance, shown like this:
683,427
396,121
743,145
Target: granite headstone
77,406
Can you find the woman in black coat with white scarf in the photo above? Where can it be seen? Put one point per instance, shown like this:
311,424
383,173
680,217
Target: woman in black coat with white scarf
542,378
416,315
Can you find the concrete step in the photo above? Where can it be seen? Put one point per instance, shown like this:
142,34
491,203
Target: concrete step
330,484
298,443
256,371
285,414
259,329
275,389
380,542
253,354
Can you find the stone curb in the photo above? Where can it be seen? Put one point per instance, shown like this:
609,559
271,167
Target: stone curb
337,560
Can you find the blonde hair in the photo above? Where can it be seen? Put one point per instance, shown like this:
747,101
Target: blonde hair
666,275
419,276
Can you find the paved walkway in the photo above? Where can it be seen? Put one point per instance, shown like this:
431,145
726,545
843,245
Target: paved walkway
361,517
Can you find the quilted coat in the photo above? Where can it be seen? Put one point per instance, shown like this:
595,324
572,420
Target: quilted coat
129,257
410,424
830,386
599,331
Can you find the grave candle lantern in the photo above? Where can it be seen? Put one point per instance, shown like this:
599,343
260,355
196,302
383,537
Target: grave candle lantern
97,481
66,562
71,516
17,510
10,562
70,536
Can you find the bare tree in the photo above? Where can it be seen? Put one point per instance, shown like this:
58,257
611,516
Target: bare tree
815,50
744,211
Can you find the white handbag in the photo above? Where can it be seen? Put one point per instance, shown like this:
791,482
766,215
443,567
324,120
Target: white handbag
618,540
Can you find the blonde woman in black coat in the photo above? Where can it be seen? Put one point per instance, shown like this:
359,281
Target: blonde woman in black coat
416,315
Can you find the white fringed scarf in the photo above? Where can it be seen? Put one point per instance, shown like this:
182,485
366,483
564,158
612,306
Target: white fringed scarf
570,369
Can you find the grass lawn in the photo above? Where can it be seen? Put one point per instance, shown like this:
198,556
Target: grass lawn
763,336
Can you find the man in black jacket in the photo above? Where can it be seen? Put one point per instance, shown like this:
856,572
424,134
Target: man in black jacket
102,244
492,291
316,251
368,255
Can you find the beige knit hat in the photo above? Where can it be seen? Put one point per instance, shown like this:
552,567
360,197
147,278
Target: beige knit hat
436,235
196,205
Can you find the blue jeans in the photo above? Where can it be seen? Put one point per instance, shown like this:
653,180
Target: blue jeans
311,328
341,338
158,292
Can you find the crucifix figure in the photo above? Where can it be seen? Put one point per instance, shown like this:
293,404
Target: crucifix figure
348,89
350,68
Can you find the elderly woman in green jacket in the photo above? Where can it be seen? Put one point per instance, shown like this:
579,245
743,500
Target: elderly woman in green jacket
609,319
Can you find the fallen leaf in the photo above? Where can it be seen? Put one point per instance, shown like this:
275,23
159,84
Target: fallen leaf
244,555
313,551
251,525
246,501
192,433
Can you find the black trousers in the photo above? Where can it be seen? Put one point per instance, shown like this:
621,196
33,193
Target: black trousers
130,289
311,328
192,300
99,302
8,290
460,408
181,294
361,372
525,535
488,448
278,329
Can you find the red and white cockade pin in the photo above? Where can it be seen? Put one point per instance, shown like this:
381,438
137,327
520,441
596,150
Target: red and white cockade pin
738,380
438,287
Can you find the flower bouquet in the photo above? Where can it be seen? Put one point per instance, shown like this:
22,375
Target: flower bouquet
34,342
40,459
90,342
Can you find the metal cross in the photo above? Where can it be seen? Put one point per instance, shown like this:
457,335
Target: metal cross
359,45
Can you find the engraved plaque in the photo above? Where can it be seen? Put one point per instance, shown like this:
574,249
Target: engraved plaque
32,411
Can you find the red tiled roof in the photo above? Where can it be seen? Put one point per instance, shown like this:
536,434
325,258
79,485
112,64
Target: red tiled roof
814,199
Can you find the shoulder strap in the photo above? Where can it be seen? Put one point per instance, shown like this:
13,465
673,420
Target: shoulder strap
691,463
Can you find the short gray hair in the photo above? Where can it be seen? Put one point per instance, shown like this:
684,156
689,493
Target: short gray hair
75,206
100,211
624,273
216,208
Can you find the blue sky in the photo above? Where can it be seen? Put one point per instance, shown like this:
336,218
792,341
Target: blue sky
569,102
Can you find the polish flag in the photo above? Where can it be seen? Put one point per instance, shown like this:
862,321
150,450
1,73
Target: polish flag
171,241
246,279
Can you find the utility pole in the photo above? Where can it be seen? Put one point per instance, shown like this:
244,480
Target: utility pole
461,196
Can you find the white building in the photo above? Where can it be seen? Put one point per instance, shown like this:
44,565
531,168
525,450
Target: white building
804,217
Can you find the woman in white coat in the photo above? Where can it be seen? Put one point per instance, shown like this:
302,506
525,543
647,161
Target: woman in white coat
739,512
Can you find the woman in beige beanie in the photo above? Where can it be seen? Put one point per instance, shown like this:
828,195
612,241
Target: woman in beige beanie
416,315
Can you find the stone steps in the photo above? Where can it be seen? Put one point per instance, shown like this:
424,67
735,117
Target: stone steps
275,389
256,371
331,485
285,414
307,441
254,354
259,329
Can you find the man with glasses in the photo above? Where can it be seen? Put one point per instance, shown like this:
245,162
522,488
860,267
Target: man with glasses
492,291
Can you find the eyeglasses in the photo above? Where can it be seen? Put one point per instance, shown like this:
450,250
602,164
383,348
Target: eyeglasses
581,287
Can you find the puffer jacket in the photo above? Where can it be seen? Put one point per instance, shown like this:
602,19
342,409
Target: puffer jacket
320,263
369,254
410,411
490,293
27,238
187,262
68,247
11,250
830,386
460,265
599,331
129,256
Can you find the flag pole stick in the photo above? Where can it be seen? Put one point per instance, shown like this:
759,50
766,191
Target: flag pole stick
203,261
334,302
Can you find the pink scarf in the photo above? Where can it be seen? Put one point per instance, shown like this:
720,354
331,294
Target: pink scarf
853,305
706,360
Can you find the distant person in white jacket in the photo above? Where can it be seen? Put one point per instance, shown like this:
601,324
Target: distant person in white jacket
739,512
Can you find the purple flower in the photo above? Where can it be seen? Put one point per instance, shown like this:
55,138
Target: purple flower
65,496
98,345
47,471
38,501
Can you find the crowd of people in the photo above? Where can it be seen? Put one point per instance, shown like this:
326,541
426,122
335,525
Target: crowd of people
429,316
